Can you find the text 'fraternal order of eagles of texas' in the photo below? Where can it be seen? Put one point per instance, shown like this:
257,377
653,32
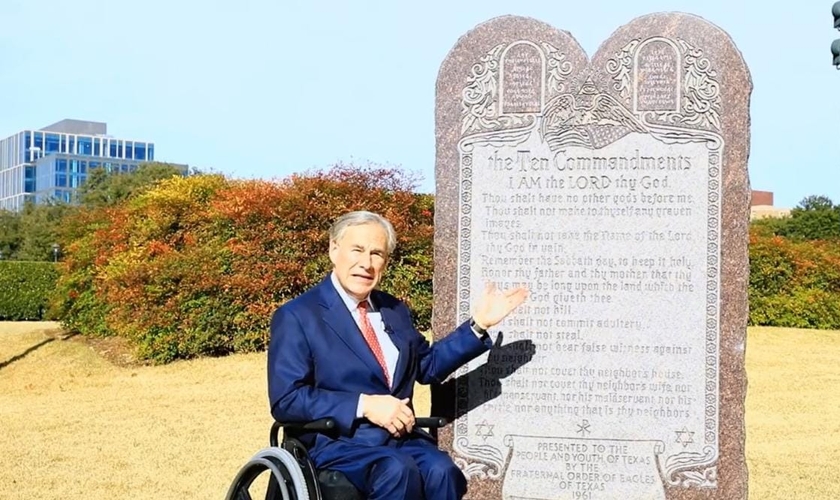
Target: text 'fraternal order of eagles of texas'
616,190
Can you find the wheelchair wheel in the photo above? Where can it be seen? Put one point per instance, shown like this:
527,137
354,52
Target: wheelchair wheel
285,476
239,489
297,450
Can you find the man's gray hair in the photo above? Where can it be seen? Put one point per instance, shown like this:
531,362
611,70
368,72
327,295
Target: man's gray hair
363,217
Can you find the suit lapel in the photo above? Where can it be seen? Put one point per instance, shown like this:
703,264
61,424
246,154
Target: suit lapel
389,317
339,319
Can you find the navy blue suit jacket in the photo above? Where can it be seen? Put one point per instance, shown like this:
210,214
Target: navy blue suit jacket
319,362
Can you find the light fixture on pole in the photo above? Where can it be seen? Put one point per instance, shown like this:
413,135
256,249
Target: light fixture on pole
835,45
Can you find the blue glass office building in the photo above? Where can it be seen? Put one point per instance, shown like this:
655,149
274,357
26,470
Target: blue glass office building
50,163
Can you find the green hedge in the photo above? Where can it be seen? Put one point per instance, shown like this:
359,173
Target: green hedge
794,284
25,289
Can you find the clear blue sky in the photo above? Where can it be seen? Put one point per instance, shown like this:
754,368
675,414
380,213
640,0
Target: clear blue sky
265,88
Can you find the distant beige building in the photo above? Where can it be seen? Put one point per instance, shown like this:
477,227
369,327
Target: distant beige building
761,205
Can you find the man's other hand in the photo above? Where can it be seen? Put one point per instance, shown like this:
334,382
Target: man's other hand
388,412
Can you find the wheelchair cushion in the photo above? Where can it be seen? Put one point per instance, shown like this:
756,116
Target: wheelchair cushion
336,486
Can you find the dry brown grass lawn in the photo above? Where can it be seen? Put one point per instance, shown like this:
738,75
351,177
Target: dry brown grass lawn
77,426
793,413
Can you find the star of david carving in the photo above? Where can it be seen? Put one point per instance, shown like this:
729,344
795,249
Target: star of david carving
583,428
685,437
484,430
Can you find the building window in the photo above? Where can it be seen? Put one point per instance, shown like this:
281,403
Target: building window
52,143
113,150
29,180
25,147
129,150
85,146
151,155
139,151
38,143
61,180
61,165
77,180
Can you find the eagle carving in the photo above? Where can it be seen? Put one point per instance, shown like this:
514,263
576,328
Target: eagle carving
589,119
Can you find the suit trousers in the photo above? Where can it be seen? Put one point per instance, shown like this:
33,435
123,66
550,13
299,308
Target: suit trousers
411,468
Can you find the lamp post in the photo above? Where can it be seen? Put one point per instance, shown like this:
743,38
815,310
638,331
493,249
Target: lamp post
835,45
835,52
55,248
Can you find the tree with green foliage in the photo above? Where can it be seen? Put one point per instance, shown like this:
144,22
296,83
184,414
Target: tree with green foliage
103,188
39,230
815,218
31,233
10,236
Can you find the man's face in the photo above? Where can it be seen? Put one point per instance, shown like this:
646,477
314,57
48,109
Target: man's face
360,257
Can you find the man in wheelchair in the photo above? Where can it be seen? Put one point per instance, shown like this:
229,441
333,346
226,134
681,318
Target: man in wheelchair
347,351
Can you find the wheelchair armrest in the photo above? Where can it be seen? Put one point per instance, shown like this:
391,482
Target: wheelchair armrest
430,422
328,424
321,425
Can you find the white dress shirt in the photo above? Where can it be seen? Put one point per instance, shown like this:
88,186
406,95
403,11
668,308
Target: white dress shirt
389,350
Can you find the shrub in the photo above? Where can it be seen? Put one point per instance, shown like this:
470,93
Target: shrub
78,301
158,263
195,266
25,289
278,245
794,283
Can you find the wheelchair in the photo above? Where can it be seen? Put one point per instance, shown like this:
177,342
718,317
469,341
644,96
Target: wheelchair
292,474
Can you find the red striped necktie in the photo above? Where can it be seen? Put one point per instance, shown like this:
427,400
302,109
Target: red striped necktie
370,336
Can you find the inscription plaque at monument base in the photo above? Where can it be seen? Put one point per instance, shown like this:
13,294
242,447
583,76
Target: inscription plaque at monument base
616,190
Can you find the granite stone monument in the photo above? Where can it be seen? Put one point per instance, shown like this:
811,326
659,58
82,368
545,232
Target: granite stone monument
616,189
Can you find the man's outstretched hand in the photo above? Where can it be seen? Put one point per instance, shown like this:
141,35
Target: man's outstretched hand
388,412
494,305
